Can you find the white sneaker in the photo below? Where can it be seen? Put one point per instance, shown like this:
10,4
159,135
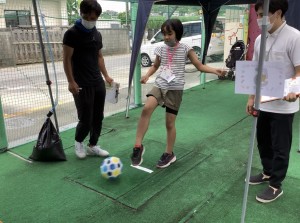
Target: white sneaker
96,151
80,150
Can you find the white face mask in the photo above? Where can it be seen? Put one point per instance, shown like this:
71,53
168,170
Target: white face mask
88,24
269,24
171,43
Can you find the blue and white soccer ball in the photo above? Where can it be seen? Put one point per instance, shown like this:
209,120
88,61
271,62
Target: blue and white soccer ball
111,167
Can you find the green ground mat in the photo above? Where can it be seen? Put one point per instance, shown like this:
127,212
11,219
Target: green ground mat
198,186
227,205
205,185
38,193
135,187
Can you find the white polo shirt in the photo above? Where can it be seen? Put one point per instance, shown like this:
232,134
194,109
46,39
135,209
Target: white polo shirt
283,45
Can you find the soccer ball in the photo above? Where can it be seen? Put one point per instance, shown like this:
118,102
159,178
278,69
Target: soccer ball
111,167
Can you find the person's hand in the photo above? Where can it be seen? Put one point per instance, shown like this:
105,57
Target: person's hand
221,72
291,97
250,106
108,79
144,79
74,88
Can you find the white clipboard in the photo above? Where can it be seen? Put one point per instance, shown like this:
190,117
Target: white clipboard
290,85
112,92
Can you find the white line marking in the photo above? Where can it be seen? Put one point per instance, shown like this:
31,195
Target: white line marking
142,168
20,157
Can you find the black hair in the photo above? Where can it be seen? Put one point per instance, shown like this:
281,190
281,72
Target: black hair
175,25
275,5
89,6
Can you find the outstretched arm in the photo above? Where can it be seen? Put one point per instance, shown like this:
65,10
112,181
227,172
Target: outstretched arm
204,68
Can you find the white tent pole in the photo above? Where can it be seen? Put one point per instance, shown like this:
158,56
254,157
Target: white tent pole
257,102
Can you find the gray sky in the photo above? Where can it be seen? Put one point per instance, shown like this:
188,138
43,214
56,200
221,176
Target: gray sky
112,5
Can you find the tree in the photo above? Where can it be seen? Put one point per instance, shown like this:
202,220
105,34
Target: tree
73,10
109,14
122,17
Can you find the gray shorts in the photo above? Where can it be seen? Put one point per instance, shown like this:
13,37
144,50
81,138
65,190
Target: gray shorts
167,98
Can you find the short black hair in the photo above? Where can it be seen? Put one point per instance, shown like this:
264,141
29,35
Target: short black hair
173,24
89,6
275,5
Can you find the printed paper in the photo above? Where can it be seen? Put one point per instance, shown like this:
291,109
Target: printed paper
272,78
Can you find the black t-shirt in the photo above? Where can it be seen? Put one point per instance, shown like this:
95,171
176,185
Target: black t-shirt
86,47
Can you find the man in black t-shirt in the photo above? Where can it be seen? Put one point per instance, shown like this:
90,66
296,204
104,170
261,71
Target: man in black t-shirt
84,66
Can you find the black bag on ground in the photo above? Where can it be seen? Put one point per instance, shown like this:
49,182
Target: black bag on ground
49,145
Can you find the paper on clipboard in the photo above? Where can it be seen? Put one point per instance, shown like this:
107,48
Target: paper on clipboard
112,92
272,78
291,85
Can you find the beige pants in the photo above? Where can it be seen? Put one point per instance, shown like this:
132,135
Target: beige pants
167,98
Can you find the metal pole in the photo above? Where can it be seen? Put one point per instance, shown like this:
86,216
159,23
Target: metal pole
246,23
44,61
137,70
127,14
203,40
257,102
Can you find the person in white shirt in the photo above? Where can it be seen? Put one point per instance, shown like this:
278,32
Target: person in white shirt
275,118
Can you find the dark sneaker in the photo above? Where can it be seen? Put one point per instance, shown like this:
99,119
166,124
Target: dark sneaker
165,160
258,179
269,195
137,156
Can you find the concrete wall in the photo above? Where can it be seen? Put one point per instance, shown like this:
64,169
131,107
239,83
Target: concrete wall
20,46
115,41
6,50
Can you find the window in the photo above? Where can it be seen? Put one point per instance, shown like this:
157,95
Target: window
186,31
196,29
15,18
159,37
192,29
218,27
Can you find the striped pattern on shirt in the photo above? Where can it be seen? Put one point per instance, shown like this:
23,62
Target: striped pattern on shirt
179,56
